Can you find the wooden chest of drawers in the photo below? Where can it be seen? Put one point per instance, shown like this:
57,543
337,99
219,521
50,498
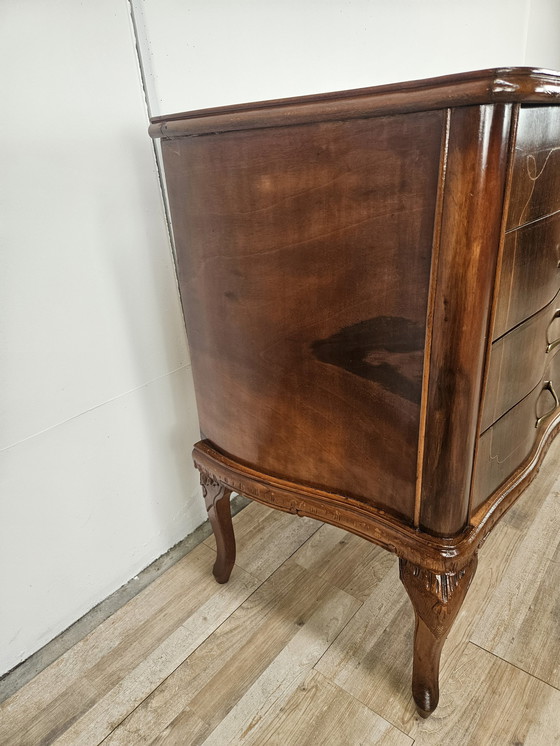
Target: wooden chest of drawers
370,282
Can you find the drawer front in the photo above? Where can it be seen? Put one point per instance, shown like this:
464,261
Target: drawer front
518,361
505,445
530,275
535,189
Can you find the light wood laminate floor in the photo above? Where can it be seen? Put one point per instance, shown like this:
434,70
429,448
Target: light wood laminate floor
310,643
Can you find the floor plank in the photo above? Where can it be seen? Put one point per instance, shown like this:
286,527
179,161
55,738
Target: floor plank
309,643
182,588
110,682
318,713
490,702
186,728
288,670
345,560
133,689
218,673
521,624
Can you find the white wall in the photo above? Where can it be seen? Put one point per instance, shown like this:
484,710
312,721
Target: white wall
543,34
98,414
98,417
214,52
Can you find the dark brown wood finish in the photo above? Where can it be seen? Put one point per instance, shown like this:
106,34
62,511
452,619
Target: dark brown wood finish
498,85
472,209
338,259
518,360
536,170
304,261
530,275
217,500
505,445
438,554
437,599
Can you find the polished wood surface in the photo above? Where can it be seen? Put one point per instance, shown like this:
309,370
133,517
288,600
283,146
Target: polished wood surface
530,274
518,360
217,500
437,599
345,263
474,187
438,554
497,85
303,363
536,170
505,445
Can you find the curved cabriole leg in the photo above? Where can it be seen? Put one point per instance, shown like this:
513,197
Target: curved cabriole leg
216,497
436,598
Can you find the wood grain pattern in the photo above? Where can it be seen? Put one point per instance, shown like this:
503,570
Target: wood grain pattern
317,710
372,661
475,179
518,361
509,442
438,554
260,634
536,170
504,446
530,275
493,692
85,694
304,262
345,560
525,634
186,724
437,599
288,670
46,693
217,500
124,695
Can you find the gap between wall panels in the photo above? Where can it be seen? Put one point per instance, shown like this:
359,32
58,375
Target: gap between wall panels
141,47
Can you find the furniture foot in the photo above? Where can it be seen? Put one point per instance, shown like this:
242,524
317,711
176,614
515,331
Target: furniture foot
436,598
216,497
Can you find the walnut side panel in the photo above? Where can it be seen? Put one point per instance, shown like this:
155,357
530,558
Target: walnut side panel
304,261
472,210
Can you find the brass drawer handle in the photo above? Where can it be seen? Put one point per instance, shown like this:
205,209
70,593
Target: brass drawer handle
548,387
552,345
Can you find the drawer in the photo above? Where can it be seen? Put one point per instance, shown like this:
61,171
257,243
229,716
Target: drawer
535,188
530,275
518,361
505,445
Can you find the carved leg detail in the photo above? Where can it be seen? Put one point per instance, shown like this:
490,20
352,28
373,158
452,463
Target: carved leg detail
436,599
216,497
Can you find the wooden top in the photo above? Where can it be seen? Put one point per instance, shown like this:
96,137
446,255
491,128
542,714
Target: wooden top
508,84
